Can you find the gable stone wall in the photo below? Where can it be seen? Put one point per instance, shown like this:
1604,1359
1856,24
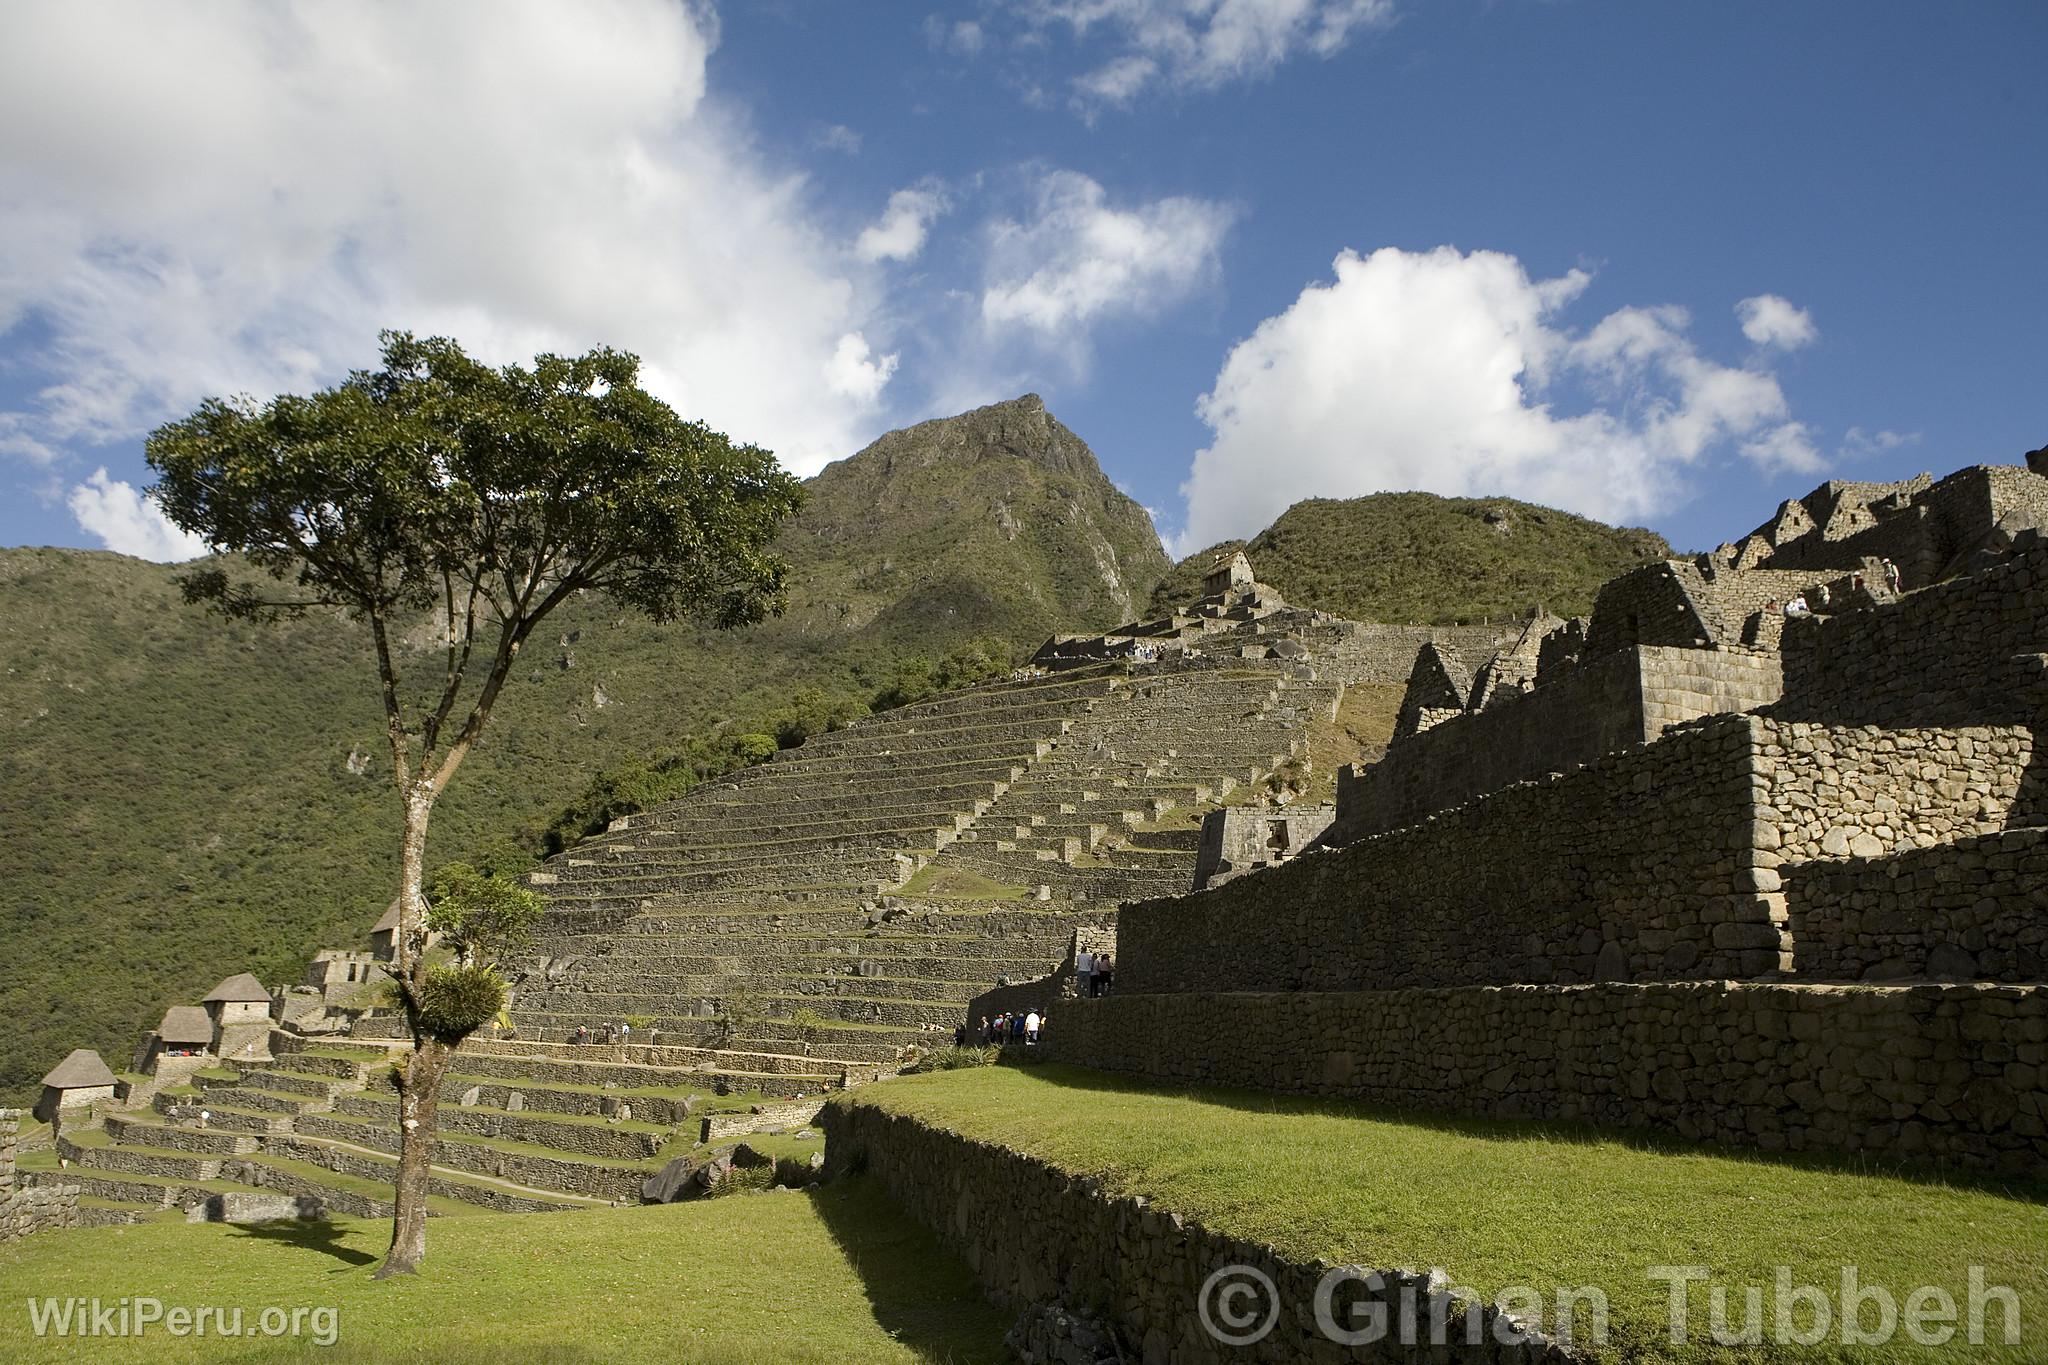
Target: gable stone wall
1603,704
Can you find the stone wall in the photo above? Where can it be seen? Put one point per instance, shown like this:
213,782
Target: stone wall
1036,1234
1830,793
1955,654
1926,535
1592,710
1603,704
1950,1073
28,1209
1974,909
1657,863
1627,868
763,1118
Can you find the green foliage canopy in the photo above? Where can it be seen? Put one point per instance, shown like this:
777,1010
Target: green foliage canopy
482,917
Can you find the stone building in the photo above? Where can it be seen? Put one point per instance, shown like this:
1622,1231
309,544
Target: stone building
384,935
181,1044
73,1084
240,1008
1240,839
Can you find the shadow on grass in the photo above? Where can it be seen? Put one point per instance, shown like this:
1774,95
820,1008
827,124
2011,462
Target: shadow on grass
921,1294
307,1234
1083,1080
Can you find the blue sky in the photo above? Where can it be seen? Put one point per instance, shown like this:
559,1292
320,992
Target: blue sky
1662,264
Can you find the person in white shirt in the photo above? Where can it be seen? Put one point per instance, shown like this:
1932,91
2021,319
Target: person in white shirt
1084,972
1797,607
1031,1024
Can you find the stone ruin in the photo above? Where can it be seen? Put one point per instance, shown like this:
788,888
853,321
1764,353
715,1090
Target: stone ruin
1780,888
1682,864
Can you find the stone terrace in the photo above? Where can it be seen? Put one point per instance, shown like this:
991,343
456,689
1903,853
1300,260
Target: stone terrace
881,876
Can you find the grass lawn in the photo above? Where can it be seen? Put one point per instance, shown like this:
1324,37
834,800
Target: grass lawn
1499,1204
835,1275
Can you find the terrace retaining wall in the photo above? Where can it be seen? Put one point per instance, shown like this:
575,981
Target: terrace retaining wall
1950,1073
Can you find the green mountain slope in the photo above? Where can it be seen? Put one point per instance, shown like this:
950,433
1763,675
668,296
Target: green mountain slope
1419,558
184,798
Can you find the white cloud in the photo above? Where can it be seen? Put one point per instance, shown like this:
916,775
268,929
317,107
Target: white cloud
1198,44
128,523
1857,443
963,38
1444,371
1769,320
898,235
17,444
837,137
856,372
1787,446
1077,258
238,197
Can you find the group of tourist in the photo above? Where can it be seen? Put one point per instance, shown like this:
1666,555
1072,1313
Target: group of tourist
1022,1028
1094,973
604,1033
1822,600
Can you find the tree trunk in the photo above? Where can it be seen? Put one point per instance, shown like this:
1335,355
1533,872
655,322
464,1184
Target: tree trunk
419,1085
419,1103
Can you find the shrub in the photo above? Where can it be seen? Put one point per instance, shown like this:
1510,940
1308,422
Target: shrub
457,1001
956,1058
741,1179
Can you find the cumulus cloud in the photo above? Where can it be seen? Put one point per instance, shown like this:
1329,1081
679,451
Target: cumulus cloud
1197,44
1076,257
1769,320
1448,372
236,198
899,234
128,523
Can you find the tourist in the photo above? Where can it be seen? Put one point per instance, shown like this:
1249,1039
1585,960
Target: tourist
625,1034
1797,606
1002,1028
1084,972
1016,1028
987,1031
959,1035
1031,1024
1891,577
1105,973
582,1033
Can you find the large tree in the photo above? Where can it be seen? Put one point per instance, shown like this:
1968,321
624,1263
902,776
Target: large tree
439,488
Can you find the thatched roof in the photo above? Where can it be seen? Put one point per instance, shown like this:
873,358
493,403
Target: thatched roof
389,923
242,989
185,1024
81,1070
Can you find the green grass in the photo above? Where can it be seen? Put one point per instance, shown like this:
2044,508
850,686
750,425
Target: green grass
1497,1204
836,1275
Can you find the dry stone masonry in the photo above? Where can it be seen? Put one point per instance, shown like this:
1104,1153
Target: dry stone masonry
1672,881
